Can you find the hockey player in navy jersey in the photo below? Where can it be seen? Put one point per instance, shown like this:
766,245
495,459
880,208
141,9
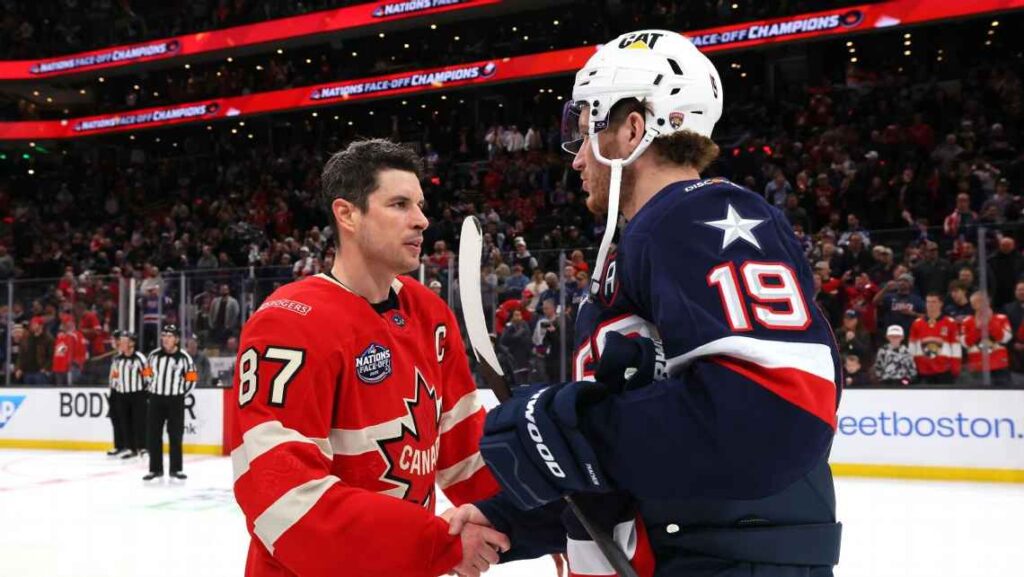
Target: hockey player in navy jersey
708,456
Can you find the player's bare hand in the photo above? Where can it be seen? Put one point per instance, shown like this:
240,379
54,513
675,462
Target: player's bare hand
458,517
480,546
559,564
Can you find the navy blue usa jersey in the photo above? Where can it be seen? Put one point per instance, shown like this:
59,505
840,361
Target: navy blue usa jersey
747,391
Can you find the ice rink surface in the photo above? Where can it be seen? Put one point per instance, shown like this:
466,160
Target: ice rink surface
84,514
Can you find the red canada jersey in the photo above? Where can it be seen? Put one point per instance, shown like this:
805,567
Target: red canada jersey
972,339
68,348
936,346
348,416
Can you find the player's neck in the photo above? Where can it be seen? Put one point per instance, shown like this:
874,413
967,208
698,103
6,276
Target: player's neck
654,178
362,278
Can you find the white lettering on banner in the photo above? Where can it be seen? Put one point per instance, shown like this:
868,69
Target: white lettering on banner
116,55
775,30
186,112
68,415
410,6
189,111
437,78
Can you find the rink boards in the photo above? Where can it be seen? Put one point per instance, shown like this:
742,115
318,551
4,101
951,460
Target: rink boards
966,434
975,435
79,418
943,434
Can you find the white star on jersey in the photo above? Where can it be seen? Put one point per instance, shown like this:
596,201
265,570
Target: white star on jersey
736,227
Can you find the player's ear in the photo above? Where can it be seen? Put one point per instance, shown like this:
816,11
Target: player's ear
637,126
345,213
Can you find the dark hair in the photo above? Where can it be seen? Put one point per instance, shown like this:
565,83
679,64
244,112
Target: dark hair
936,294
957,285
683,147
351,174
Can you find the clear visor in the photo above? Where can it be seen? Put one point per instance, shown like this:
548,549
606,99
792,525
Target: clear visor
572,136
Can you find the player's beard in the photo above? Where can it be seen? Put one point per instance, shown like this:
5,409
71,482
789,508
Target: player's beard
597,201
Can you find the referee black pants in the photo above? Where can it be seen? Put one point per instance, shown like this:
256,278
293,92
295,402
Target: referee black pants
116,417
168,409
133,420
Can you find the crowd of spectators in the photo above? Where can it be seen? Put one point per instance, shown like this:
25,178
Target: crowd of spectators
886,181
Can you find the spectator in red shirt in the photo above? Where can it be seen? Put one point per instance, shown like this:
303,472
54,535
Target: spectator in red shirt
962,220
68,353
935,344
859,297
828,296
441,256
91,328
921,133
66,284
578,262
504,312
987,332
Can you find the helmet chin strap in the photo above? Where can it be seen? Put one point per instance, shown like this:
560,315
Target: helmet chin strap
614,186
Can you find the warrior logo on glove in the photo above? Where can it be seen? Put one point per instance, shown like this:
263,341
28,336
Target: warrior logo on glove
542,449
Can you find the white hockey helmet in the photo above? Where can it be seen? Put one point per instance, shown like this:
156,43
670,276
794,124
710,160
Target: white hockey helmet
678,84
679,87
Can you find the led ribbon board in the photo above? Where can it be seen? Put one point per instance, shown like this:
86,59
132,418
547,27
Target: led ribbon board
854,19
326,21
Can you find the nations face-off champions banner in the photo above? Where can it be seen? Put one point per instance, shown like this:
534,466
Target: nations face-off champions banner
836,22
322,22
78,418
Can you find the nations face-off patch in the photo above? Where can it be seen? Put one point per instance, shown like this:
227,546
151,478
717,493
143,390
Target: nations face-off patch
374,364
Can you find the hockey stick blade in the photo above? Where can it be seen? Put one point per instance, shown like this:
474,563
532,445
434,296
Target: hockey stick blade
470,253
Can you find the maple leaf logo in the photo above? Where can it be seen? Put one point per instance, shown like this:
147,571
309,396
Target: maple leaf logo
411,456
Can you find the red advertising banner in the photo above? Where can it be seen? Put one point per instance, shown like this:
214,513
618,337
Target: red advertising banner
321,22
820,24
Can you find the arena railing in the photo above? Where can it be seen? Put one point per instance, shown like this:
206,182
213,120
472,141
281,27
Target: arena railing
211,305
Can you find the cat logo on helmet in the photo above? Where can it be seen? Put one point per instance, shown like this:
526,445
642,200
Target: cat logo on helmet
675,120
639,40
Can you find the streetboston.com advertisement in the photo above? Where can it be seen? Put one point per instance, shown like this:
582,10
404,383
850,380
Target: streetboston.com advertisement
935,433
969,435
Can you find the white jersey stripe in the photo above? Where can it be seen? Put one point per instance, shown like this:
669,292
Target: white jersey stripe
586,558
467,406
289,510
460,471
263,438
813,358
352,442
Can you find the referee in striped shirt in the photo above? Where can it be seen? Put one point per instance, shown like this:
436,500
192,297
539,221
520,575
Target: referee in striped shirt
171,375
127,373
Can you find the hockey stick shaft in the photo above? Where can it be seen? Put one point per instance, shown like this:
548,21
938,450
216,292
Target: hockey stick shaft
479,340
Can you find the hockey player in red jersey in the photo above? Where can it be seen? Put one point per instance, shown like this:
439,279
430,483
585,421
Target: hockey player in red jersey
355,399
935,344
